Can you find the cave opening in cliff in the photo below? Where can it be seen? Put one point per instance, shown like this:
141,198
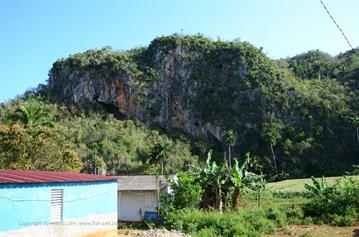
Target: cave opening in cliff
113,110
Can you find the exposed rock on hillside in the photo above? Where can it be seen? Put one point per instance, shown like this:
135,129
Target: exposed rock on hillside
204,87
172,83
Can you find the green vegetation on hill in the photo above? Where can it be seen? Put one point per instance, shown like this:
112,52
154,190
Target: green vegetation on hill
297,115
35,134
313,65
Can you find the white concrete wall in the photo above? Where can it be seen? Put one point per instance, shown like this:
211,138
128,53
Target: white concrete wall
133,204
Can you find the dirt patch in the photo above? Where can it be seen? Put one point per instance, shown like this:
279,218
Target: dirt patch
161,233
317,231
135,233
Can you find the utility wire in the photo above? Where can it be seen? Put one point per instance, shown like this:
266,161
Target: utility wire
330,15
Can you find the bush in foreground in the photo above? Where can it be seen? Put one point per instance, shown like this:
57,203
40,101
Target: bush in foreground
247,222
338,204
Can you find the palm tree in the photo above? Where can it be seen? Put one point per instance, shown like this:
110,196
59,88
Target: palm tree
230,139
272,134
355,123
32,114
160,153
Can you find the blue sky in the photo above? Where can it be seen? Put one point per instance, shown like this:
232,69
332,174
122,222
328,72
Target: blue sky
34,34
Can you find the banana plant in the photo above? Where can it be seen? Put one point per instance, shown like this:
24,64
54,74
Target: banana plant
237,175
213,177
220,185
318,186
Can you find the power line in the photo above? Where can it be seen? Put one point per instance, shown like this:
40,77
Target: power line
330,15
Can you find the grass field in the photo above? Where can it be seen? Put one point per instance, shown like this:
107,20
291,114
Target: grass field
297,185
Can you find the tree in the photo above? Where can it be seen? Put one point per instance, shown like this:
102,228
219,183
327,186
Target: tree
213,176
313,64
187,191
160,153
32,113
272,135
71,161
94,161
355,122
230,139
237,175
218,189
28,149
257,184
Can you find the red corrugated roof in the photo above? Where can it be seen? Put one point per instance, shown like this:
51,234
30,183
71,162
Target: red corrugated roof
35,176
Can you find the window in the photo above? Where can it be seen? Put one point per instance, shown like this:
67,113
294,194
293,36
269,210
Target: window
57,205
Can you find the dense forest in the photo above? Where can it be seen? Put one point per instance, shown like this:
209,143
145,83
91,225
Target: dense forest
163,107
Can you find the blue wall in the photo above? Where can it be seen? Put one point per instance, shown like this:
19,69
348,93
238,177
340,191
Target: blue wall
22,205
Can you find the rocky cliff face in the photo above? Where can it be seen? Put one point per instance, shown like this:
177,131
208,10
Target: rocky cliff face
204,87
166,86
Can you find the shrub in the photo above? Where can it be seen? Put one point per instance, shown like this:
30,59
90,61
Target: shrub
294,214
349,218
334,205
187,192
206,232
276,215
253,222
258,220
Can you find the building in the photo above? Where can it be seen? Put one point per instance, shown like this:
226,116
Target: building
46,203
140,194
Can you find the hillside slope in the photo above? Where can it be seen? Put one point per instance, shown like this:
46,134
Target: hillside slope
298,113
205,87
36,134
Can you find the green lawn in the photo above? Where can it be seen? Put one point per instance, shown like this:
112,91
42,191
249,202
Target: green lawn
297,185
